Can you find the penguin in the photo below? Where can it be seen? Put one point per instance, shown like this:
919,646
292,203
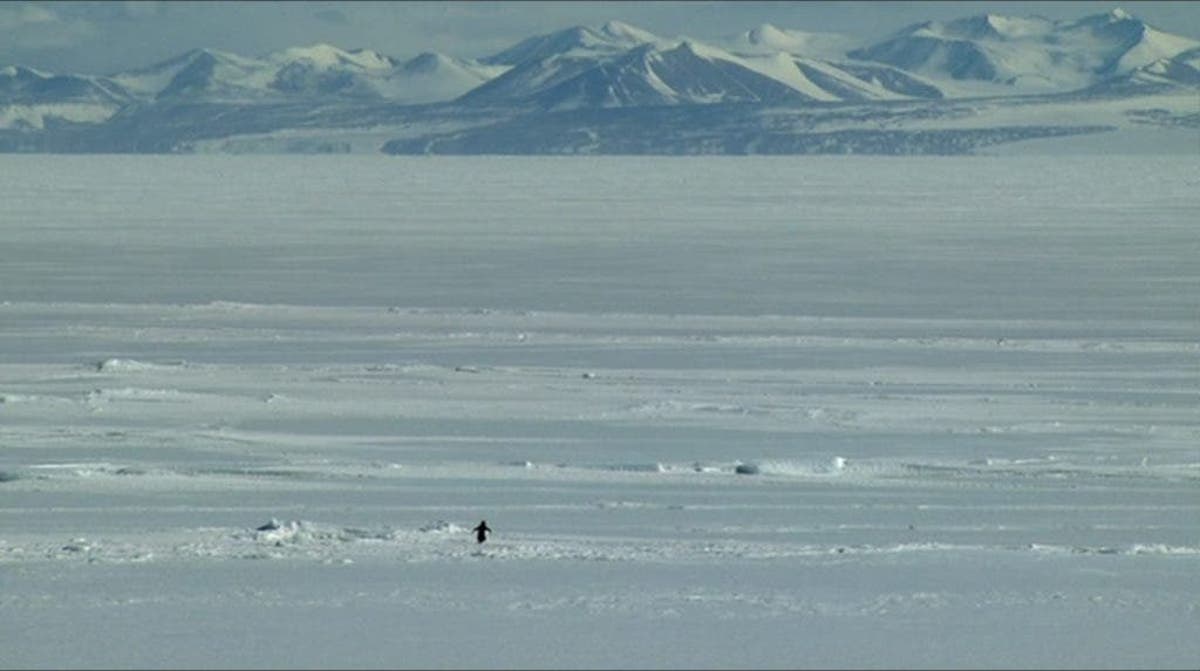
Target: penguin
481,531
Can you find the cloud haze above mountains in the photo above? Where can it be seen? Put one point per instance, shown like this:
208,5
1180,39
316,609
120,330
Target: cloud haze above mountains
104,37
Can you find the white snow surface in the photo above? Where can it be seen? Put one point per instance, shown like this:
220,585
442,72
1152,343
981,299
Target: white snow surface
719,412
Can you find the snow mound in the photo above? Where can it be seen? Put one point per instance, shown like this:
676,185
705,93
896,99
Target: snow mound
300,532
654,467
442,527
832,466
275,532
135,394
132,365
83,470
1161,549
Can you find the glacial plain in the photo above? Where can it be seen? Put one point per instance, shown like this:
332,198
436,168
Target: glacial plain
771,412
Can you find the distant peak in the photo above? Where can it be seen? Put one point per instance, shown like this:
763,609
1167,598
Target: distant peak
624,31
1000,23
1116,16
766,34
427,61
325,55
616,27
700,50
975,27
312,50
574,34
204,52
21,70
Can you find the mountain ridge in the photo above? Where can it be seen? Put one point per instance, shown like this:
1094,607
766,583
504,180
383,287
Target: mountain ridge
1021,64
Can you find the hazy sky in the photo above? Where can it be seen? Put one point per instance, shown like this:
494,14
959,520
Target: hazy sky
104,37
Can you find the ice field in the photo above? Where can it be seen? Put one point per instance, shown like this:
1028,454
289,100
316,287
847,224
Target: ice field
720,412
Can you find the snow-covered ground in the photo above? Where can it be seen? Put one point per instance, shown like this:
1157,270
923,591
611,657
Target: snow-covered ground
739,412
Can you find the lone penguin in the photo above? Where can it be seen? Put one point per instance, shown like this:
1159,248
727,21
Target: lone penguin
481,531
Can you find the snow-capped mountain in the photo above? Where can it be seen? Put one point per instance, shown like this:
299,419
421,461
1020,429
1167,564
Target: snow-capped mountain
584,67
20,84
1182,70
28,97
316,72
323,70
433,77
579,42
647,75
540,63
200,74
1028,53
932,87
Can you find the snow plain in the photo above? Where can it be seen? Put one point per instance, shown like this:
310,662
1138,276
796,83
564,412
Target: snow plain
721,412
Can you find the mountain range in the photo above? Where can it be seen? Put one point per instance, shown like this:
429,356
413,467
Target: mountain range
932,87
